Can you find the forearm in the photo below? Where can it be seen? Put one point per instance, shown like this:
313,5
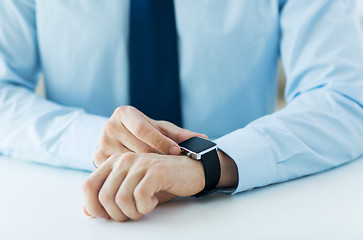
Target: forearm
39,130
296,141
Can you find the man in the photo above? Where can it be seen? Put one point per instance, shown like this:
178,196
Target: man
205,69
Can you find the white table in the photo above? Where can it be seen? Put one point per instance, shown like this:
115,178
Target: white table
40,202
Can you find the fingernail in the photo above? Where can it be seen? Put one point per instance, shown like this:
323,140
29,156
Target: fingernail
174,150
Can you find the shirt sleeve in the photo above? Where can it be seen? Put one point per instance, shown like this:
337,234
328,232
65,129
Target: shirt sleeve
321,127
33,128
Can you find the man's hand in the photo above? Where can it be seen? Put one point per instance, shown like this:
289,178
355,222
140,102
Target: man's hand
129,130
132,184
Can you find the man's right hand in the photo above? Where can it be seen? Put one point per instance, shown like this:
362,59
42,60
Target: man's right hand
129,130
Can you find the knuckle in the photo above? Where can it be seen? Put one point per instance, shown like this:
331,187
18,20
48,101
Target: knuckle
88,186
119,110
139,193
109,127
138,130
127,158
122,162
119,167
121,200
105,197
122,110
143,160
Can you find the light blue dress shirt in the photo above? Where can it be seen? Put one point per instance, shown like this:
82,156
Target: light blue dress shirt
228,72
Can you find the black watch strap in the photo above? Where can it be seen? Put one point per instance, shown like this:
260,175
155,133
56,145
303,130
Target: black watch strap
212,171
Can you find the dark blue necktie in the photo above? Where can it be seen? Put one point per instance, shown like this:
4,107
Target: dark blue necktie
153,60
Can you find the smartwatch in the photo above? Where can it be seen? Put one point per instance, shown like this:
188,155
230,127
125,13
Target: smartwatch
205,151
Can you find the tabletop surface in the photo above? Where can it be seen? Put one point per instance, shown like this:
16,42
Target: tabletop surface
41,202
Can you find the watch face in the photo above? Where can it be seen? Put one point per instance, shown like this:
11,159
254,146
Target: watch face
197,144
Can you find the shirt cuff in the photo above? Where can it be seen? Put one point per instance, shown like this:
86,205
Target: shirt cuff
253,156
81,141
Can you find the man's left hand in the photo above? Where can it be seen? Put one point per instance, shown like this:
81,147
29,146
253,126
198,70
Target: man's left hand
131,185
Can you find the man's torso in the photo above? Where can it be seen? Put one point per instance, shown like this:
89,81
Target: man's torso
228,54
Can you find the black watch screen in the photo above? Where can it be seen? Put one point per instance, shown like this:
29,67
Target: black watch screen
197,144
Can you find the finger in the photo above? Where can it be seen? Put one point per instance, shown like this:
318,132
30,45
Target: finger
117,134
144,194
108,192
125,196
91,188
176,133
133,143
141,128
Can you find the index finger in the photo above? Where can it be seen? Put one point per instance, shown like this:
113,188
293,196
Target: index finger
141,128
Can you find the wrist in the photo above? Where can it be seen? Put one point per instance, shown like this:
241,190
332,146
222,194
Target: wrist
195,172
229,172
